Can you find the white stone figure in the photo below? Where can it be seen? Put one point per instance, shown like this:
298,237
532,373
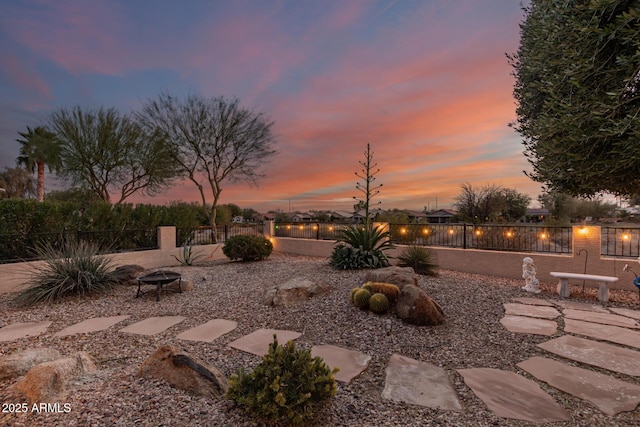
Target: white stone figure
529,275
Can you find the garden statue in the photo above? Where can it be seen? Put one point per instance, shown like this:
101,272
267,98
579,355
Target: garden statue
529,275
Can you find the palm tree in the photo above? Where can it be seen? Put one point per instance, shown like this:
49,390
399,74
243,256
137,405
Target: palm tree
40,147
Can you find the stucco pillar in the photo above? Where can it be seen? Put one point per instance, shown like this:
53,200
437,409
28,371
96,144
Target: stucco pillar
166,238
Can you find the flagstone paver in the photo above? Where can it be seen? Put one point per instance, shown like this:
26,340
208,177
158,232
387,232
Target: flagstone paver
258,341
634,314
153,325
510,395
598,331
542,312
419,383
575,305
609,394
91,325
607,356
209,331
17,331
604,318
534,301
350,363
529,325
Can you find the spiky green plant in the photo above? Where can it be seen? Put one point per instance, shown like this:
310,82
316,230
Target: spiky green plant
361,247
187,257
361,299
367,286
378,303
287,388
353,292
74,269
420,258
389,290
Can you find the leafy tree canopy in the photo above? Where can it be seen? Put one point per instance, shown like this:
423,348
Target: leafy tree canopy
577,89
490,203
39,147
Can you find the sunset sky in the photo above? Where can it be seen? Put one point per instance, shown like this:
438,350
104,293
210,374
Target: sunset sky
425,82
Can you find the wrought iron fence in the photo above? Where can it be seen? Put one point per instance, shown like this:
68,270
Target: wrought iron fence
217,234
19,247
620,242
520,238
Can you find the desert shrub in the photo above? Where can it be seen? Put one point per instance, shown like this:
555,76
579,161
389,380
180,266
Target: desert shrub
75,269
247,248
420,258
287,387
361,247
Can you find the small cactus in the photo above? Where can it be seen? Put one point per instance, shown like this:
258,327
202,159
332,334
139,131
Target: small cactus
361,299
389,290
367,286
379,303
353,292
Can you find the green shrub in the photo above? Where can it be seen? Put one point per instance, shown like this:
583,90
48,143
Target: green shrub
420,258
361,247
75,269
247,248
287,387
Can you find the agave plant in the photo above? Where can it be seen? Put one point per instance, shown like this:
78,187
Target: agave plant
75,269
361,247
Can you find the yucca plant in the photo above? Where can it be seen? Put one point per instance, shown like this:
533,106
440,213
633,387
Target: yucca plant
420,258
361,247
187,257
74,269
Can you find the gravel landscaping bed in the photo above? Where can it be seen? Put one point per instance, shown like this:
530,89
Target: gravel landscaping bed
471,337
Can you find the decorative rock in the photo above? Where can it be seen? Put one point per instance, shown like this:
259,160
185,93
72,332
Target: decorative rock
128,274
47,381
18,363
416,307
399,276
183,371
293,292
185,285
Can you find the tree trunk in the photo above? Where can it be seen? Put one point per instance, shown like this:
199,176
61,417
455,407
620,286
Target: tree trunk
40,181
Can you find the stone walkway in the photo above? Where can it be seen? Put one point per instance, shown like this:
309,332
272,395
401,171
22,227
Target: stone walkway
506,393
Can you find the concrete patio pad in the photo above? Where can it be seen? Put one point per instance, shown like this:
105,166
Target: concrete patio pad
529,325
606,356
419,383
603,318
17,331
153,325
634,314
510,395
609,333
91,325
609,394
258,341
575,305
534,301
350,363
538,311
209,331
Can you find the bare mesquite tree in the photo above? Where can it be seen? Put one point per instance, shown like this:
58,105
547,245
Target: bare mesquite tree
212,140
368,175
106,151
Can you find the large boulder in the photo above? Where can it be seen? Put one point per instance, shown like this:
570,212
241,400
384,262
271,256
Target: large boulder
416,307
293,292
181,370
17,364
395,275
47,381
128,274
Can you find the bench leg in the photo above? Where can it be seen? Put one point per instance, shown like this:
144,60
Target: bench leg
563,288
603,293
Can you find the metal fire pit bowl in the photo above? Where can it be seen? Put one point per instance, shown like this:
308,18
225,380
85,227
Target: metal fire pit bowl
159,278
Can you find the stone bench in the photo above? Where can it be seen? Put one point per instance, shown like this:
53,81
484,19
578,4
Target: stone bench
563,285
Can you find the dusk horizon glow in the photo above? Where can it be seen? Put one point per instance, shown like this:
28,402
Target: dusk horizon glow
425,82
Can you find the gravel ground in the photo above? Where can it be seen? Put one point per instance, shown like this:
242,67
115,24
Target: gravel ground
471,337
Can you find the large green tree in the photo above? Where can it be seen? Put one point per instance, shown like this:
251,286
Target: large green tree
39,147
212,140
106,151
490,202
577,89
